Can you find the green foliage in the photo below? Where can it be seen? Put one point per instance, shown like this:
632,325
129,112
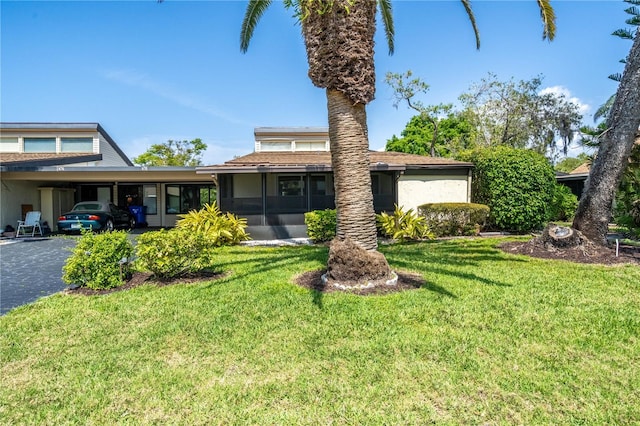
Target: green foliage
564,203
173,153
447,219
627,206
219,228
569,164
403,225
437,130
520,115
321,225
516,184
95,260
173,253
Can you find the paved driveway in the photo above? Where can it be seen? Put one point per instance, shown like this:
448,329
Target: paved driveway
30,269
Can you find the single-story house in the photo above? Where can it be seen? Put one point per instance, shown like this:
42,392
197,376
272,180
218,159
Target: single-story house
289,173
575,179
51,166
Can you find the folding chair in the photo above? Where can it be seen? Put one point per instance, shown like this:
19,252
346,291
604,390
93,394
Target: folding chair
31,223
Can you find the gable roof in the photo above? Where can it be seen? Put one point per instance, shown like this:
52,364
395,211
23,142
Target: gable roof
67,127
581,169
321,161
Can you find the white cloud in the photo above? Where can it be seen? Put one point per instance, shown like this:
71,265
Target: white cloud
583,108
164,90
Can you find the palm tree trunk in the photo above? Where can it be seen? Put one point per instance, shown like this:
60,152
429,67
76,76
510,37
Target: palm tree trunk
594,210
351,170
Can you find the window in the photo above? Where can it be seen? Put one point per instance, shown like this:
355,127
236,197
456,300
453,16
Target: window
76,144
9,145
290,186
39,144
183,198
150,199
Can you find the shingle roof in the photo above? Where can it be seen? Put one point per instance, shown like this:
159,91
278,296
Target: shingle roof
38,159
581,169
322,160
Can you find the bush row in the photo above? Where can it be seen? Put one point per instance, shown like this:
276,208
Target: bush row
98,260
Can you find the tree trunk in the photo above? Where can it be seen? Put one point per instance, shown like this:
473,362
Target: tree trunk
594,210
351,170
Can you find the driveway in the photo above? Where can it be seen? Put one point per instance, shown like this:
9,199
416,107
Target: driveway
30,269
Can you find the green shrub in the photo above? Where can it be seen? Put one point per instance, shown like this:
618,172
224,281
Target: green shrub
446,219
219,228
95,260
516,184
174,253
403,225
321,225
564,204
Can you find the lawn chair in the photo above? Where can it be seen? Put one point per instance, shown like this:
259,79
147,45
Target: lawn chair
31,223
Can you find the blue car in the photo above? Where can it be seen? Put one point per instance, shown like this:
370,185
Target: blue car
97,216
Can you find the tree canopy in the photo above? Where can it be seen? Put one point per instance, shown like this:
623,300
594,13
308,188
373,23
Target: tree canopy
173,153
521,115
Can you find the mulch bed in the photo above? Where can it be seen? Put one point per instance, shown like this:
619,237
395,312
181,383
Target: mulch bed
406,281
592,254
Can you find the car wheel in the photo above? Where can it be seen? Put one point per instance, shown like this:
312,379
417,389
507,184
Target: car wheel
108,226
132,223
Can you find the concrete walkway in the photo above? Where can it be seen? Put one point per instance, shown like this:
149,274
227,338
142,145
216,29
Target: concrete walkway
31,268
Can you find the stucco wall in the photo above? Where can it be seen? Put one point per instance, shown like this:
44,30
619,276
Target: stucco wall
13,194
416,190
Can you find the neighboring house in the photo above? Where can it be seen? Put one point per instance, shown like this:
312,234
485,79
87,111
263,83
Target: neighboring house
290,174
51,166
575,179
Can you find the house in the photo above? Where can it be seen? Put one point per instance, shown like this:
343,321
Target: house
51,166
289,173
575,179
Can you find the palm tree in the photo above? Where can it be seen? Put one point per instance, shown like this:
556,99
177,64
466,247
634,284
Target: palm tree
338,36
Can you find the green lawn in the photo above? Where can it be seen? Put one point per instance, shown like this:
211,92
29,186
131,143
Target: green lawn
490,339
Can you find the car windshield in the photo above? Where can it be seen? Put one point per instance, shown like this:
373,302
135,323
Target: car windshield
87,206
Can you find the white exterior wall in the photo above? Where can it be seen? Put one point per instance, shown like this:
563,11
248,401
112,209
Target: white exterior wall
110,156
13,194
415,190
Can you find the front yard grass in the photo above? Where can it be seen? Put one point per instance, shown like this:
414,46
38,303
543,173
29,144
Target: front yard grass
491,338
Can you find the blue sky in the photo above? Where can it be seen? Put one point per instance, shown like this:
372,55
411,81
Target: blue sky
150,72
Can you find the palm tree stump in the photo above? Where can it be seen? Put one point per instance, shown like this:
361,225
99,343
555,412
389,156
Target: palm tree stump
561,237
349,264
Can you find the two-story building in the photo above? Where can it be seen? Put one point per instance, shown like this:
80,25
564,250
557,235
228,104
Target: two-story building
50,166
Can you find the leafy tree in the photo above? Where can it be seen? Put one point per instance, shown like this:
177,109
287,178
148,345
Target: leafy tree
338,36
568,164
453,135
616,143
173,153
520,116
436,131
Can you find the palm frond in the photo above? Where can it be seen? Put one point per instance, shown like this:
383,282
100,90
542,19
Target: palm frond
472,18
252,15
623,33
604,109
387,21
548,16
